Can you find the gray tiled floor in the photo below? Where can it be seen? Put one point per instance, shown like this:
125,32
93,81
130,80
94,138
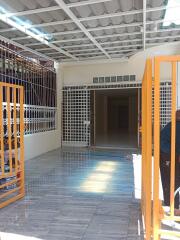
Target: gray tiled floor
76,195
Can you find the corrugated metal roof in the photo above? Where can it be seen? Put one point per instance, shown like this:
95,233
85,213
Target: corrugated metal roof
113,28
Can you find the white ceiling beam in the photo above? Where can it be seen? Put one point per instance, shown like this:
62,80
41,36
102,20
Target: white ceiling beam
127,46
120,51
54,8
47,24
61,41
7,30
96,29
107,43
67,21
144,25
90,29
122,47
51,34
33,44
52,53
84,3
32,11
116,35
68,11
21,38
98,37
82,19
84,50
97,59
71,40
162,38
62,33
26,48
123,41
103,16
43,49
124,25
110,15
33,35
92,50
129,41
78,46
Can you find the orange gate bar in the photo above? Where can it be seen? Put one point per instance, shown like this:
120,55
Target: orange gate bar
152,209
11,143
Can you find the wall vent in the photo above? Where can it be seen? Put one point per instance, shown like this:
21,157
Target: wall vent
114,79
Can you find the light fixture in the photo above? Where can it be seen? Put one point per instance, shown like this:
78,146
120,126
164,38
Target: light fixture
172,13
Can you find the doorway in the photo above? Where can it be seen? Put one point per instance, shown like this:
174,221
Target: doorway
116,118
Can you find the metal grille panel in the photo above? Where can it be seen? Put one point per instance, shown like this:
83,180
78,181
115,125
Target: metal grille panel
77,106
76,118
11,144
165,103
39,85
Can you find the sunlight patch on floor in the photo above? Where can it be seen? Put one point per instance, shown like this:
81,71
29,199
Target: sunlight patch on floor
12,236
98,180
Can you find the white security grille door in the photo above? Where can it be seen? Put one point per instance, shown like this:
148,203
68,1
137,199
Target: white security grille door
76,118
165,103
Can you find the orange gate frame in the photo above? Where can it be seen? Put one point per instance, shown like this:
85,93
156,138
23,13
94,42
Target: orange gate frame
11,143
152,210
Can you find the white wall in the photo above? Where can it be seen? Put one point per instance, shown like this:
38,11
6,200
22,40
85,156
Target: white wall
39,143
83,73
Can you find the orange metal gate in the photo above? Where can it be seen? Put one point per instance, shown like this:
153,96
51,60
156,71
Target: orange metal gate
152,210
11,143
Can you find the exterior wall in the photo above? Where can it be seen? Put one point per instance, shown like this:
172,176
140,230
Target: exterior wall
37,144
83,73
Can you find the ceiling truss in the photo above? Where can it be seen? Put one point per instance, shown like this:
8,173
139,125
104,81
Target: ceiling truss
92,40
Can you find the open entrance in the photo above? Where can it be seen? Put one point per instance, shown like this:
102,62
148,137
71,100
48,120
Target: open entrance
116,118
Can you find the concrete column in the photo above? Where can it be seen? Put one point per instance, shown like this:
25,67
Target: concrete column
59,82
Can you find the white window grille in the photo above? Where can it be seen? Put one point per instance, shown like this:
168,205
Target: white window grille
39,119
39,85
36,118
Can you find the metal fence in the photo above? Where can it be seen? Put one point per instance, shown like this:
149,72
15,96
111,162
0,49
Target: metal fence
39,119
39,85
152,209
11,144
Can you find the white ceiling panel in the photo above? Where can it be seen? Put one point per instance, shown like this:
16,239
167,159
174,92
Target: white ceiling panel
97,25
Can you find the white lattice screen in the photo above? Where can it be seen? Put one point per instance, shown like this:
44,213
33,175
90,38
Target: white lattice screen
76,118
76,111
165,103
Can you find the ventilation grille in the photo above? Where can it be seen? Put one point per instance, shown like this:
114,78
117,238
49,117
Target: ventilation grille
113,79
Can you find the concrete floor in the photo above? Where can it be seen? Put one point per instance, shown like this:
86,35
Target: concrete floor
75,195
123,140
